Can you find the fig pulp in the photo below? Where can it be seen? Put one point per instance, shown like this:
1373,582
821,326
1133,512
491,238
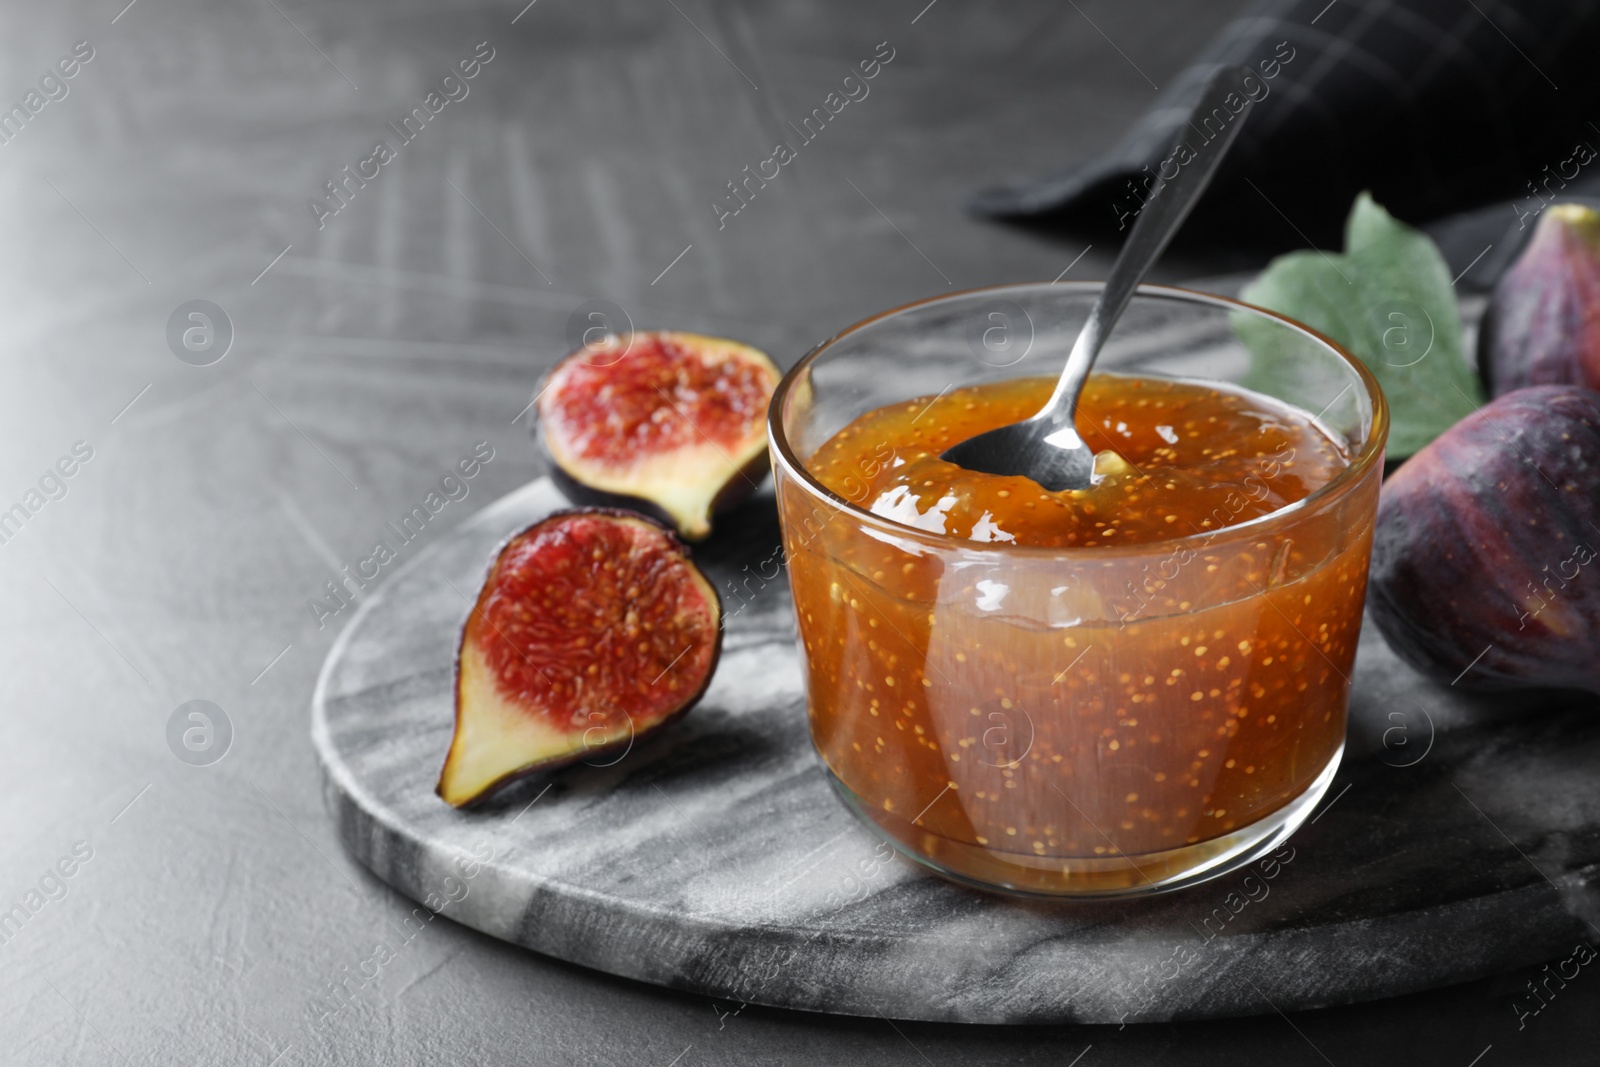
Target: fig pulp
593,627
673,424
1483,561
1543,322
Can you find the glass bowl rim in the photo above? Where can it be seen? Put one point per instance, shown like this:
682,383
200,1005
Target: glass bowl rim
1370,453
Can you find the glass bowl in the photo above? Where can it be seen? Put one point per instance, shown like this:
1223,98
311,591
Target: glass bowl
1087,721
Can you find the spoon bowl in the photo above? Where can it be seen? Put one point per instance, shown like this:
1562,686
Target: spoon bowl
1047,447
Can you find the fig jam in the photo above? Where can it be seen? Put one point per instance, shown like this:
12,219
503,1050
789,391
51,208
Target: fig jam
1074,691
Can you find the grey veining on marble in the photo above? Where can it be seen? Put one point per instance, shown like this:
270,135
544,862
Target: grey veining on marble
714,857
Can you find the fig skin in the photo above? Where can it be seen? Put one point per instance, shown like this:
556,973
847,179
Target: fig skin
1543,322
685,486
1484,551
474,793
732,494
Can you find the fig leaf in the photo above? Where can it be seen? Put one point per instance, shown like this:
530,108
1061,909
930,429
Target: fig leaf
1389,300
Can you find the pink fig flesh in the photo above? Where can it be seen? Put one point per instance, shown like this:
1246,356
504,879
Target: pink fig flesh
593,628
672,424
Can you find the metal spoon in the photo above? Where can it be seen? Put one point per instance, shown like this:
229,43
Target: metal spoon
1047,447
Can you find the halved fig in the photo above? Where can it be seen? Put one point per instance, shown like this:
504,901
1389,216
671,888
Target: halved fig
593,628
673,424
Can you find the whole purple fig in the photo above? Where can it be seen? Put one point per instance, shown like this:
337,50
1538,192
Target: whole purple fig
1543,322
1483,561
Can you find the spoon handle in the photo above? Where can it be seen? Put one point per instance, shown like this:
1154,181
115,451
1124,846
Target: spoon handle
1204,141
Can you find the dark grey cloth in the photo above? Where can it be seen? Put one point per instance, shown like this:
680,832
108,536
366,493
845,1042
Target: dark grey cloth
1436,106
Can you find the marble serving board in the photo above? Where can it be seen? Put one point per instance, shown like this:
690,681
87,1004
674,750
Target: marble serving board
1461,838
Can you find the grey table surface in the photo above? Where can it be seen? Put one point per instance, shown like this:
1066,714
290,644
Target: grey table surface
209,907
